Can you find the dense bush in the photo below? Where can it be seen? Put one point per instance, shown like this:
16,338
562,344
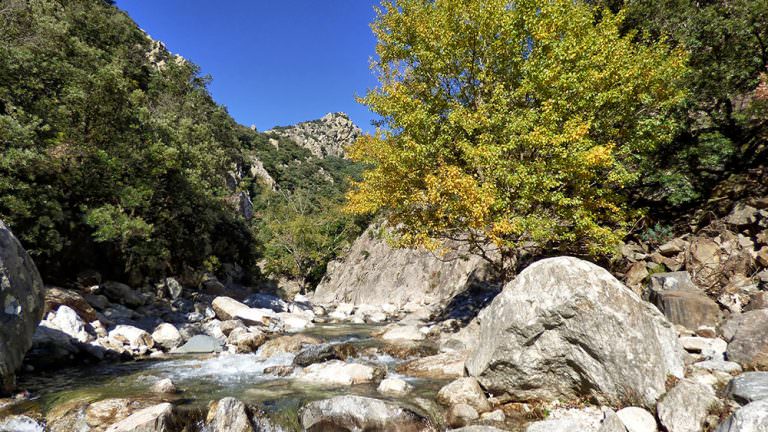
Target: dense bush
114,153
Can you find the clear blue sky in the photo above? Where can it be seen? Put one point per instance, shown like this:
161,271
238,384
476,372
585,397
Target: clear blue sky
273,62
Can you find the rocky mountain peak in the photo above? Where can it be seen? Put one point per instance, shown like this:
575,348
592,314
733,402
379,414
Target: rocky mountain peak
327,136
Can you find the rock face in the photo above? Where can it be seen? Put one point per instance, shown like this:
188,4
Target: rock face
21,305
356,413
566,328
747,337
375,273
327,136
682,302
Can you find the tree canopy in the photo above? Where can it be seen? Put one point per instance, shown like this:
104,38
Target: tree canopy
511,125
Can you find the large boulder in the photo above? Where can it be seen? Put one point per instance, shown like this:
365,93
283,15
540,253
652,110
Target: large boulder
227,308
566,328
375,273
748,387
21,305
356,413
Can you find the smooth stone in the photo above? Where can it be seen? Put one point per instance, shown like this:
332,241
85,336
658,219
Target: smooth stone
685,408
357,413
637,419
752,417
748,387
394,387
200,344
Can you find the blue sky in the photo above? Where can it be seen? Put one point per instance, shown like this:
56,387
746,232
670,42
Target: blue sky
273,62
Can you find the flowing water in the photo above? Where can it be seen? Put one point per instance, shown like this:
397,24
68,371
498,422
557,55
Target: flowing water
206,378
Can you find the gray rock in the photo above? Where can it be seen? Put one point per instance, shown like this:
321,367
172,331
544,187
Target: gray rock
323,137
686,406
375,273
747,336
569,420
167,336
566,328
21,305
229,415
637,419
477,429
156,418
266,301
200,344
441,366
688,308
121,293
320,353
611,422
356,413
461,415
748,387
464,391
752,417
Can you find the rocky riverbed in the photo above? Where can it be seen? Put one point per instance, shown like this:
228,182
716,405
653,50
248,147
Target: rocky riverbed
565,346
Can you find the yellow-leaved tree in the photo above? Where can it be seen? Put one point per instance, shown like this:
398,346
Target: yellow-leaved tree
511,124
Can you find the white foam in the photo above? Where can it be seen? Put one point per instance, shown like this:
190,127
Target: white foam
225,368
20,424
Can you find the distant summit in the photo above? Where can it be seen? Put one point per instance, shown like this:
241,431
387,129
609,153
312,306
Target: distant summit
328,136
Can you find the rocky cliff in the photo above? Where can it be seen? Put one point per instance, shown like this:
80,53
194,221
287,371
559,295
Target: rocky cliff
375,273
327,136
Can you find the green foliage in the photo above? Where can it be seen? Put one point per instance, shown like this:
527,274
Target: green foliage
724,127
511,127
301,232
658,234
114,153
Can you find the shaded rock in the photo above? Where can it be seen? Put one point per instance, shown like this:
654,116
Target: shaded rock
571,330
752,417
123,294
287,344
464,391
55,297
441,366
156,418
461,415
611,422
685,408
200,344
637,419
167,336
266,301
21,306
747,336
226,327
321,353
229,415
748,387
356,413
688,308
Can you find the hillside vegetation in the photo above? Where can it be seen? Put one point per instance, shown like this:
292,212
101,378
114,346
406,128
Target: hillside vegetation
116,158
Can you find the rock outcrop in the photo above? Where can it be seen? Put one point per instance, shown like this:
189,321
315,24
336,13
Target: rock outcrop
22,299
327,136
375,273
571,330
